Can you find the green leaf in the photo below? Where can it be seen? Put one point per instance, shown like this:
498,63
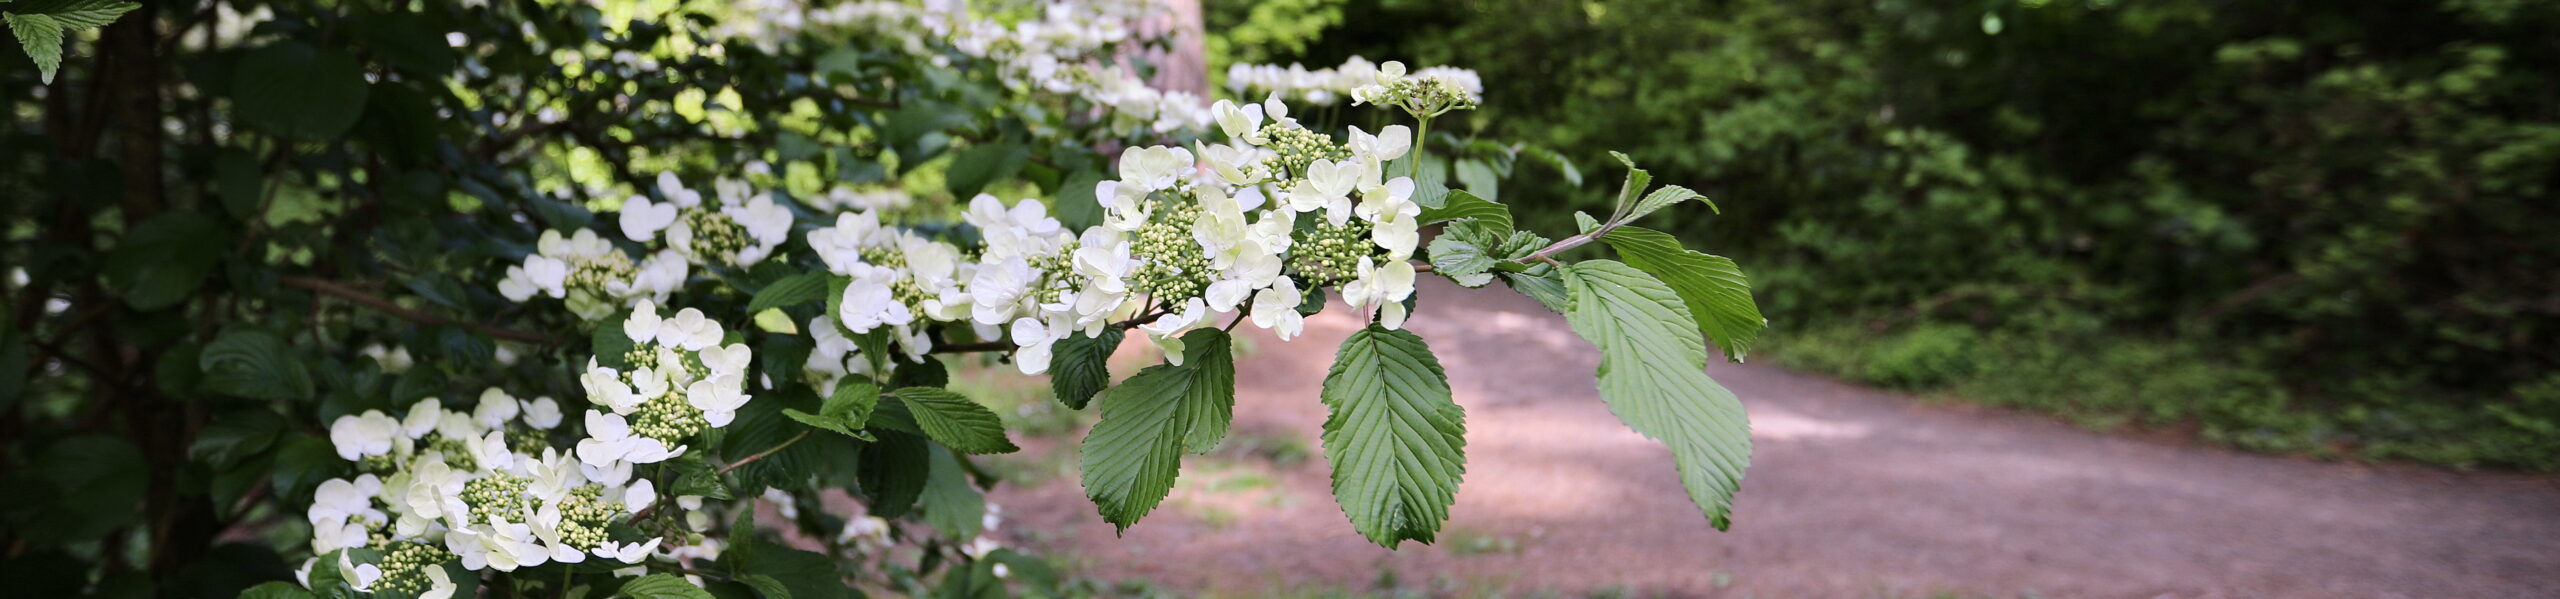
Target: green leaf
275,590
294,90
236,178
1572,175
766,586
611,345
98,483
1713,287
956,422
791,291
1210,353
1466,205
1431,182
662,586
1464,251
973,168
302,463
893,471
162,261
846,411
406,41
253,363
1133,454
1637,180
1076,208
1652,376
1541,283
1583,223
1478,177
793,573
1080,366
41,36
695,476
952,505
1665,197
235,436
1395,436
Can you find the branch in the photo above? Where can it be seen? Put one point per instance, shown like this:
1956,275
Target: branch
341,291
766,453
988,346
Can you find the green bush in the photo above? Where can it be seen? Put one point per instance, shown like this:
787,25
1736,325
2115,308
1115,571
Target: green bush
2339,198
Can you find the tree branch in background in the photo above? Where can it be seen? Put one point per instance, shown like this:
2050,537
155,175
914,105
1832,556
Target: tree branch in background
342,291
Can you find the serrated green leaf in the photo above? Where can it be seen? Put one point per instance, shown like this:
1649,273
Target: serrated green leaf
1076,207
1395,436
1652,376
1541,283
845,412
893,472
954,421
791,291
1637,181
662,586
1210,353
1716,292
952,505
235,436
1664,198
1465,251
253,363
695,476
1565,167
41,37
1132,455
294,90
973,168
162,261
1583,223
765,586
1080,366
1466,205
275,590
1478,177
786,572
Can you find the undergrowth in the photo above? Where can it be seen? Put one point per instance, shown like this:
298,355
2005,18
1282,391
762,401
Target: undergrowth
2113,380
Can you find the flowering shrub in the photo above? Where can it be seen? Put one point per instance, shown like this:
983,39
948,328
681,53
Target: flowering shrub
689,322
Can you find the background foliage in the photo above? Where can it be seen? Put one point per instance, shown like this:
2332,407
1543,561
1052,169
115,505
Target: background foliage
2294,226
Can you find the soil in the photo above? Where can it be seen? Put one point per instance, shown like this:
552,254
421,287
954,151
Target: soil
1852,492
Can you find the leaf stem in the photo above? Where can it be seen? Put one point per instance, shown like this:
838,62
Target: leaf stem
342,291
766,453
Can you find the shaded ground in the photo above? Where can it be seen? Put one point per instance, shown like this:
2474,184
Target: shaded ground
1852,493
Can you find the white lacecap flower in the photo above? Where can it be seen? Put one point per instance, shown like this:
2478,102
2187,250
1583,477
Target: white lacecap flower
367,434
641,219
610,440
495,408
1276,309
718,397
542,413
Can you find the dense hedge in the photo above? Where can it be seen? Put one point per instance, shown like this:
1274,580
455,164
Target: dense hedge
2346,206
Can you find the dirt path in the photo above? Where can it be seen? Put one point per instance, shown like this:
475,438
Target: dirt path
1852,493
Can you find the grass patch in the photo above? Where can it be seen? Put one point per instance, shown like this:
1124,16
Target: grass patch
2114,381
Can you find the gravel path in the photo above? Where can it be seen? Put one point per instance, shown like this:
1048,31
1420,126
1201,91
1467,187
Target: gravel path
1852,493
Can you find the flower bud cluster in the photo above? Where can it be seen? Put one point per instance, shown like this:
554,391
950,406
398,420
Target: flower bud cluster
1423,94
1330,85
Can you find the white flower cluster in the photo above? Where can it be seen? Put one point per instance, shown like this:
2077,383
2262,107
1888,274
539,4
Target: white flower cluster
597,278
592,275
1070,49
739,232
1186,241
1327,86
488,489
